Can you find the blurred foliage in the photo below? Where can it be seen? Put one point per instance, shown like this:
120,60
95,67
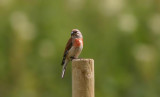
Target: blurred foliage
122,36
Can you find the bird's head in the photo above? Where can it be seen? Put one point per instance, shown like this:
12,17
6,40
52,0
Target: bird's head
76,33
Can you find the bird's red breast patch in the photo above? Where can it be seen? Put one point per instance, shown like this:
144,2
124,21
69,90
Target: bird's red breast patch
78,42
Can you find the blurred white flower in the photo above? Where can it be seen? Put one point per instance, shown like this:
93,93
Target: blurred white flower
22,26
128,23
5,3
111,7
75,4
46,49
144,53
154,23
146,61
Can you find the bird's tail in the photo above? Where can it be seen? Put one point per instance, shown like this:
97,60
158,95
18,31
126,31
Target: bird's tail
64,68
63,71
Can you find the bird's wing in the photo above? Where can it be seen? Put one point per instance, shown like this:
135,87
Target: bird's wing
68,47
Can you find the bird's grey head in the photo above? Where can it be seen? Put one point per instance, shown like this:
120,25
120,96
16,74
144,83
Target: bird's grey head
76,33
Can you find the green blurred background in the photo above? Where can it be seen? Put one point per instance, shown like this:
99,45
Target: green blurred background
122,36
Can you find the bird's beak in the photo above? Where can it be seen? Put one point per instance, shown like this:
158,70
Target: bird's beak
71,33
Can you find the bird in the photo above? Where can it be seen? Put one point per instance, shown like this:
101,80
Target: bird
73,49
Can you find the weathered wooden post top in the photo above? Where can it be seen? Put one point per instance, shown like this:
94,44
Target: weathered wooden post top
83,78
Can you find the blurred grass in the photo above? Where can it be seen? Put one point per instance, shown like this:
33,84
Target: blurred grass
122,36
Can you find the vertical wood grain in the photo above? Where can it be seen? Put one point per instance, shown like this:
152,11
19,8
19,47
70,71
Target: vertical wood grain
83,78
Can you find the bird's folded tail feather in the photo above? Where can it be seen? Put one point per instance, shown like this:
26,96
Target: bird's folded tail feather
64,68
64,58
63,72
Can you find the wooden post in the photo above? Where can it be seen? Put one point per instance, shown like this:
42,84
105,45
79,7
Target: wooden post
83,78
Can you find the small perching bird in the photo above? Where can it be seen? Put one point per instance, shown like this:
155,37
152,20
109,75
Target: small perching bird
73,48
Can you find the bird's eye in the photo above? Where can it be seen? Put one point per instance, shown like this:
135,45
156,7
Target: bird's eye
72,33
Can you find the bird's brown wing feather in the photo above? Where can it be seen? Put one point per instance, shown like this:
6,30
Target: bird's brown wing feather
68,47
